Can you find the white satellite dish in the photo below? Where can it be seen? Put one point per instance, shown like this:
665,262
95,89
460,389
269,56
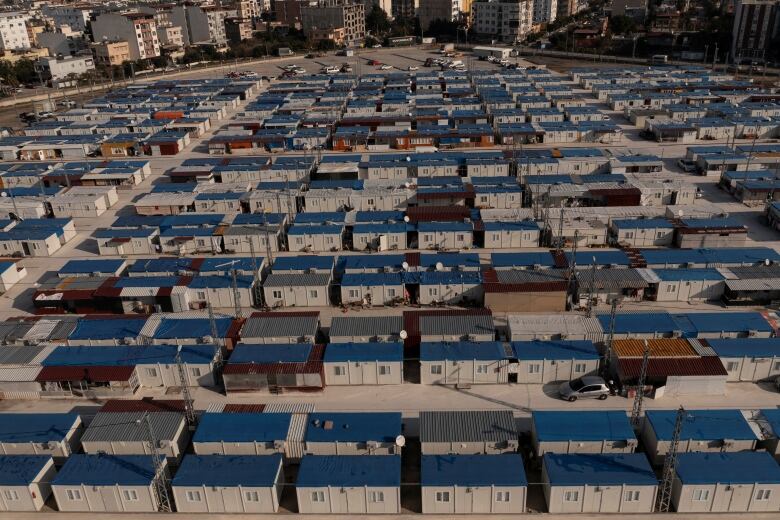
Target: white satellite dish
407,185
403,334
439,266
408,158
406,218
400,441
680,213
405,266
767,261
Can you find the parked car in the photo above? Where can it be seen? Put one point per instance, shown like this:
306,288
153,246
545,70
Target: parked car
584,387
686,165
374,62
385,67
412,68
377,46
332,69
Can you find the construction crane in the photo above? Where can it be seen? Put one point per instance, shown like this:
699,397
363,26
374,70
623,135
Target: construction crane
636,410
189,403
670,464
160,478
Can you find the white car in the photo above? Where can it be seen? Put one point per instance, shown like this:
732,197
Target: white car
412,68
385,67
299,70
330,70
377,46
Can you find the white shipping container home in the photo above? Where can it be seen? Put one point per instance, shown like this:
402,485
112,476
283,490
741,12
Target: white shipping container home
372,288
57,435
582,432
726,483
349,484
550,361
450,287
315,238
598,483
473,484
688,285
702,431
25,482
468,432
379,237
464,363
333,433
247,433
296,290
748,359
106,483
228,484
373,363
124,433
444,235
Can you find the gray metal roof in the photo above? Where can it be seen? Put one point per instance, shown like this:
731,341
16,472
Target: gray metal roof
11,355
11,331
462,325
752,272
700,348
611,279
366,325
476,426
126,426
297,279
529,276
284,326
754,284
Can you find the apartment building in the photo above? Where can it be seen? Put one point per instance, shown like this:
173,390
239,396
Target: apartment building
545,11
201,24
756,25
111,53
64,69
430,10
404,8
75,17
170,36
138,29
13,31
505,20
332,14
238,29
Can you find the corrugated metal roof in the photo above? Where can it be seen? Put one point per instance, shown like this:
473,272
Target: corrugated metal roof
612,279
754,284
629,368
143,405
97,374
456,324
12,355
365,326
294,408
670,347
282,326
297,279
701,347
468,426
127,427
17,374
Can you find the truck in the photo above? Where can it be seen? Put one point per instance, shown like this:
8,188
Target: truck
659,59
501,53
284,51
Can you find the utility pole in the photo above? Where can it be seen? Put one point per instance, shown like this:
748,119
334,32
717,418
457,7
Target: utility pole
611,332
636,410
670,464
213,324
189,403
236,296
592,287
256,269
160,479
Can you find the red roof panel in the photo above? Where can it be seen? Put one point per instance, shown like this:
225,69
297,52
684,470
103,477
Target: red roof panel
98,374
629,368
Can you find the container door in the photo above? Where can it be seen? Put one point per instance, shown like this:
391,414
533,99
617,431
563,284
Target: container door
356,501
109,498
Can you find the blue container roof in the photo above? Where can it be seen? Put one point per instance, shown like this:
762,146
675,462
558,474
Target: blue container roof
129,355
349,471
372,351
90,266
543,258
281,353
772,416
584,258
472,470
677,275
353,427
298,263
107,328
21,470
537,350
229,470
701,424
242,427
35,427
370,261
742,467
719,321
429,260
593,425
728,255
106,470
599,469
171,328
746,347
462,350
371,279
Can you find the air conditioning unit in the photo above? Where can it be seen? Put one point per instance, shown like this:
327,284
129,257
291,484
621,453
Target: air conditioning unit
128,340
372,445
752,333
207,340
280,445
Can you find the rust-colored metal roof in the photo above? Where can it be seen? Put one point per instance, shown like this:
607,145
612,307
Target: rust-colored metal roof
285,314
413,259
243,408
660,348
438,213
98,374
526,287
629,368
143,405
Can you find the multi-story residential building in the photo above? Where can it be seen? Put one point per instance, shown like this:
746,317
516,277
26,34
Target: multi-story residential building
545,11
430,10
335,35
201,24
404,8
111,53
138,29
384,5
756,25
332,14
60,69
75,17
238,29
636,9
250,9
170,36
13,31
288,12
506,20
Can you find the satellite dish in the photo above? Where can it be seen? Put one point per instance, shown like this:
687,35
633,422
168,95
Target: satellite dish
400,441
407,185
766,261
403,334
406,218
680,213
439,266
408,158
405,265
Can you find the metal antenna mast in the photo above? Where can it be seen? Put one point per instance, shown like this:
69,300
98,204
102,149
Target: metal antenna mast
592,287
189,403
256,270
611,333
670,464
236,296
160,479
559,240
636,411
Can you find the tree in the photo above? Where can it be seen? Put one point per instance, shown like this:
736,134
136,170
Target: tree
442,29
377,21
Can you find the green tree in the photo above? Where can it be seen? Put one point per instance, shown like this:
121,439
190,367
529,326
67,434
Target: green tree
621,25
377,21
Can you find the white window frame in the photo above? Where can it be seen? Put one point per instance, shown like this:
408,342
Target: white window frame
503,496
73,494
482,369
376,497
443,496
11,495
731,366
151,372
339,370
763,495
314,293
384,370
535,368
131,495
193,496
276,294
571,496
318,496
580,368
701,495
436,370
631,495
251,496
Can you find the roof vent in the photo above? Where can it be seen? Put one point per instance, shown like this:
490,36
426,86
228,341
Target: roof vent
316,423
327,425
